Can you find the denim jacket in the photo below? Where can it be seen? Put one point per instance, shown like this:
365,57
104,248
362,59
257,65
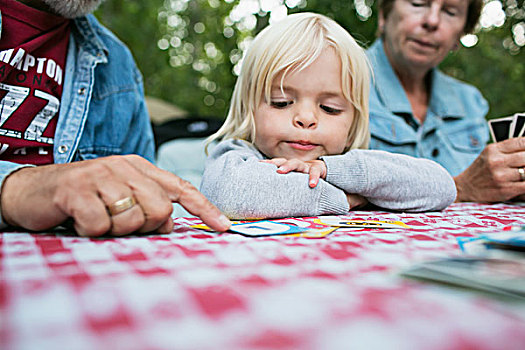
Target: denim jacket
102,110
454,131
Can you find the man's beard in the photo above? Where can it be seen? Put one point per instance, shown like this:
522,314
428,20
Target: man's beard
72,8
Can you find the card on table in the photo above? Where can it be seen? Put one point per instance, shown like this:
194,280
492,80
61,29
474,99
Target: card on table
319,228
284,227
265,228
501,276
312,229
314,233
339,222
505,240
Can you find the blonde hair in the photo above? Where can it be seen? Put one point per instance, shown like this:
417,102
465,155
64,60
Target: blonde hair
289,45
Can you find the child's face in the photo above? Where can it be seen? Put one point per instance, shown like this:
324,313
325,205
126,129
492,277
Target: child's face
311,119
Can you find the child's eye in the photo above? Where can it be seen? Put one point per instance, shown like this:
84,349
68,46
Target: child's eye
280,104
331,110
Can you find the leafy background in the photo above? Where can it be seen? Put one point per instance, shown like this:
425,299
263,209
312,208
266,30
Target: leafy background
189,51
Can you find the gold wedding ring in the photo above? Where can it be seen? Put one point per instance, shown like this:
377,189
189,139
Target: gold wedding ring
121,205
522,173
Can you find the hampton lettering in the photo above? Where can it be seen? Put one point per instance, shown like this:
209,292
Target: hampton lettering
24,61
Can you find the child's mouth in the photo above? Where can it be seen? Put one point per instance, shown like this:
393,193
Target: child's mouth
302,145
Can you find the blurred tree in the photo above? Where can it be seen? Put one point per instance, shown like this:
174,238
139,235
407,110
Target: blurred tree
190,51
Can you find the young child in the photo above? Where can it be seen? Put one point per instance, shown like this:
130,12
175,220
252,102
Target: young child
294,138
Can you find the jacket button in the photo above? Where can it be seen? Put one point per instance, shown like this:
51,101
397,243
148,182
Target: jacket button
81,91
435,153
62,149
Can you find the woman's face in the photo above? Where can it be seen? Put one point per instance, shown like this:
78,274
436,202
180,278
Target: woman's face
418,34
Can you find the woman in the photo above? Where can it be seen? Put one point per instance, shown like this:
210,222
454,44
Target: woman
417,110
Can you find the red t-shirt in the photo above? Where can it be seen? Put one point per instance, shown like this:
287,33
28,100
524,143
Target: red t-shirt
33,50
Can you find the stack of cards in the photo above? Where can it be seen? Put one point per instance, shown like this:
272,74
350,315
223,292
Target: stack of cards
494,262
503,277
507,127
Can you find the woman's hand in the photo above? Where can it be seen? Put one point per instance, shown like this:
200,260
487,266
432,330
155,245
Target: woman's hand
316,169
494,176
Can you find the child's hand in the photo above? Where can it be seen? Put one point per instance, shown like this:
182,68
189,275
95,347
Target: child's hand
315,168
356,201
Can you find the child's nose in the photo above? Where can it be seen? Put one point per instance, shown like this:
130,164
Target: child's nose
305,119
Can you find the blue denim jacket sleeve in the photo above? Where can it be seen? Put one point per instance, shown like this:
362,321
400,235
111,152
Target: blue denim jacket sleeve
454,131
102,109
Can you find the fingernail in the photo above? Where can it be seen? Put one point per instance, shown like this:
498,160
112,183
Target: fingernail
225,222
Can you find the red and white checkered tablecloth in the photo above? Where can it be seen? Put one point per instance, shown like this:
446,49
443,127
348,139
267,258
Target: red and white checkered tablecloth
197,290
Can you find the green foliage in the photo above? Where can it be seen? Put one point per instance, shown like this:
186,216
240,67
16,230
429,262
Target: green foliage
202,42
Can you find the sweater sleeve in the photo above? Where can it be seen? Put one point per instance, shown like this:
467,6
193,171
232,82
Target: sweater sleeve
242,187
392,181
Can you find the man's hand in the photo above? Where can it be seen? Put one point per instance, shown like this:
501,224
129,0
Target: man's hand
494,175
43,197
315,168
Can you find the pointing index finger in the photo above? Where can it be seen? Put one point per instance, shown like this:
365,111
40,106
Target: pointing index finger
197,204
185,194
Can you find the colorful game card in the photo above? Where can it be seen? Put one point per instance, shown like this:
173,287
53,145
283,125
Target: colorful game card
494,243
314,233
206,228
505,240
288,227
265,228
376,224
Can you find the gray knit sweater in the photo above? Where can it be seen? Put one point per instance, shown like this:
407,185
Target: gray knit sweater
244,188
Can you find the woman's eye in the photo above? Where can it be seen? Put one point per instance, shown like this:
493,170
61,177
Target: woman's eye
331,110
280,104
417,3
451,12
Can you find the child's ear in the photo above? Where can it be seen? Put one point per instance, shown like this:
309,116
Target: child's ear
349,143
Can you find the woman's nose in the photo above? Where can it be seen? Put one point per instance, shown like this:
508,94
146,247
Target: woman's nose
431,18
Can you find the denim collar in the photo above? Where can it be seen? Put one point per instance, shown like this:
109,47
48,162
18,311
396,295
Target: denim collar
443,102
93,43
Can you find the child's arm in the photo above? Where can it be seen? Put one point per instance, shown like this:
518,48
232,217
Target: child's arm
243,187
392,181
316,169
